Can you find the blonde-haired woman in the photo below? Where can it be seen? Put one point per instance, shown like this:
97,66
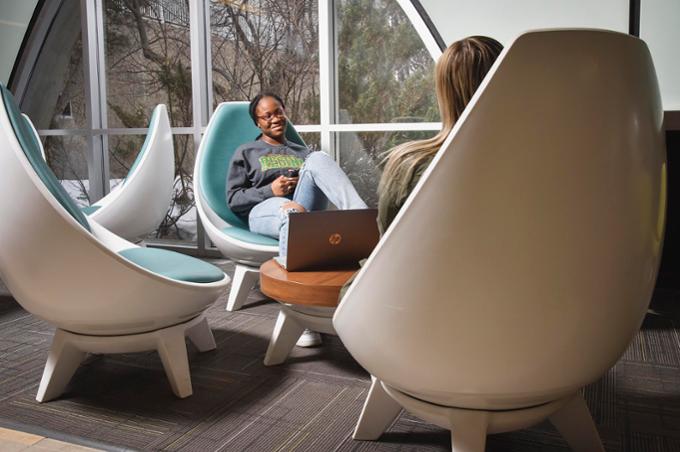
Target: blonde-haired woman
458,74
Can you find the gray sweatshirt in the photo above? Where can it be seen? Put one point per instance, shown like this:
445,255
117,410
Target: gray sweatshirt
254,166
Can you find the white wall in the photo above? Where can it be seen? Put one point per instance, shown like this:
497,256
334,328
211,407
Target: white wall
505,19
660,28
14,18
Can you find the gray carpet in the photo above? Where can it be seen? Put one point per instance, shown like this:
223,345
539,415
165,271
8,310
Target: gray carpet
310,403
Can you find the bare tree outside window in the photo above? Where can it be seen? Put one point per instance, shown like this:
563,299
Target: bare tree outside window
385,74
267,45
55,99
148,61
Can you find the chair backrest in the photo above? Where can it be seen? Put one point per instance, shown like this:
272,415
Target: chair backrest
25,134
70,273
36,136
230,127
153,125
138,205
522,264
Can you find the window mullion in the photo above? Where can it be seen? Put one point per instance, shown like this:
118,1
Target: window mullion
327,87
103,110
92,96
199,15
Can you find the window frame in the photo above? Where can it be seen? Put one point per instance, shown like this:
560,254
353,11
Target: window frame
95,77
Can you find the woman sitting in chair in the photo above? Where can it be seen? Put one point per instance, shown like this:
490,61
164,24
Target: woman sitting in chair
458,74
272,177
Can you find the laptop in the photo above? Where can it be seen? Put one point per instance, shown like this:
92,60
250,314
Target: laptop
330,239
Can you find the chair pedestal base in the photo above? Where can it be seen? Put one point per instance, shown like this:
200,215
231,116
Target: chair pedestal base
291,322
69,349
244,280
469,427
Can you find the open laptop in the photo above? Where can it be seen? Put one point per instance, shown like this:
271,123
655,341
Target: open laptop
330,239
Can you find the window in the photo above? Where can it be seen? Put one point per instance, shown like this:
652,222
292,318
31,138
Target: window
267,45
384,71
385,75
369,89
361,155
148,62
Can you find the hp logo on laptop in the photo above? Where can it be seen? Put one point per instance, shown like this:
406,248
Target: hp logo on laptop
335,239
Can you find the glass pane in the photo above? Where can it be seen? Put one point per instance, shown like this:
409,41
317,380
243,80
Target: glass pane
123,150
268,45
385,73
67,157
147,61
361,154
55,94
179,225
312,140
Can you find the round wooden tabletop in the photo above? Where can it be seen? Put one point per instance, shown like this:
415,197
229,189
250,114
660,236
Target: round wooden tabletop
316,288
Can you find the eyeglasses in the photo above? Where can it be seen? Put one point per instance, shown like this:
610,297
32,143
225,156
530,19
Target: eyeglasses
269,117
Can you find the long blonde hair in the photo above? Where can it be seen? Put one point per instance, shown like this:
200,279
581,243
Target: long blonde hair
458,73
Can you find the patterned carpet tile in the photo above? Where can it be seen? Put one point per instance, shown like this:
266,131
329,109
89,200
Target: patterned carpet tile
310,403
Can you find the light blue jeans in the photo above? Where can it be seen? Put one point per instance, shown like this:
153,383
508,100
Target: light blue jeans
321,180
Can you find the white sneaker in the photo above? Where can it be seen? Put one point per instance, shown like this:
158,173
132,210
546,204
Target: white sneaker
309,338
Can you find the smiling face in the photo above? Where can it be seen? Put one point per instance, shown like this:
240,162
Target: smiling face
271,120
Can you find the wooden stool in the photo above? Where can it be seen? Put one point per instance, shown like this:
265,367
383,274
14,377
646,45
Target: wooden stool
308,300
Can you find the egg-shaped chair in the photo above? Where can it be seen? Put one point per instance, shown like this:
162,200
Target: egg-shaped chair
522,264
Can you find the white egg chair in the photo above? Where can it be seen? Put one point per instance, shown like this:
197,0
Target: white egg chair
140,202
38,143
138,205
230,127
103,293
522,264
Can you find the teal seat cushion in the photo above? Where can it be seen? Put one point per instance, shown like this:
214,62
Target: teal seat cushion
31,147
173,265
230,127
246,236
89,210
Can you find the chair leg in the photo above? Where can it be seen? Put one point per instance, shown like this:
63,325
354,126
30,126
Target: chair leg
576,425
468,431
201,336
286,333
62,362
379,411
243,281
172,349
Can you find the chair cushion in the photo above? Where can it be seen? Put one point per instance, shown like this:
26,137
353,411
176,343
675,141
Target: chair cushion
230,127
89,210
173,265
31,147
250,237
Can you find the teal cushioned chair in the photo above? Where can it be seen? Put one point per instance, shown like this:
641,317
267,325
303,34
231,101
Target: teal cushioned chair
140,202
103,293
230,127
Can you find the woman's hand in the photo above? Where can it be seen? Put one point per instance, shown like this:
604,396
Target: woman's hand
283,185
